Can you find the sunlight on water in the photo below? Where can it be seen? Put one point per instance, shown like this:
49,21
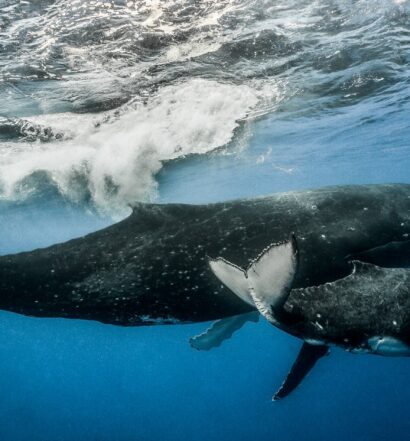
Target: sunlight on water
160,64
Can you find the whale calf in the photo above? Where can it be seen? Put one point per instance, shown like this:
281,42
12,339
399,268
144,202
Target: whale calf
152,267
367,311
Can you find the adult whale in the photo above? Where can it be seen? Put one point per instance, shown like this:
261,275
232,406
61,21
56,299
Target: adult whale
153,266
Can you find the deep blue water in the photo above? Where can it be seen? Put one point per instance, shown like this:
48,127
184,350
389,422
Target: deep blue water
191,102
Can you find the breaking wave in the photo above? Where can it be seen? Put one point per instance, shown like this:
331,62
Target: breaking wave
96,96
114,161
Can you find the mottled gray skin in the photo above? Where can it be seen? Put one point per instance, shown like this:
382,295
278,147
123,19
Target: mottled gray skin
372,301
152,267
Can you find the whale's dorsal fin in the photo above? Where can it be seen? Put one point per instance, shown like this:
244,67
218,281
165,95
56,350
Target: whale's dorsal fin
271,275
233,277
221,330
307,358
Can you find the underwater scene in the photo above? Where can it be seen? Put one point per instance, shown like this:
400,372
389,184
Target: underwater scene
204,220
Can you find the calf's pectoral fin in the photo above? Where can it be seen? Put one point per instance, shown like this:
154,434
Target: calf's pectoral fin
221,330
307,358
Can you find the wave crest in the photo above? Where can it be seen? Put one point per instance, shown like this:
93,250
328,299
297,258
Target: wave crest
116,161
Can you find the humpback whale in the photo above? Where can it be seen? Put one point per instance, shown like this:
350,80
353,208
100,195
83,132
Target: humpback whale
179,263
152,267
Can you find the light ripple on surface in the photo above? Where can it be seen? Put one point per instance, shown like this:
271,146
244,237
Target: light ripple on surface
176,78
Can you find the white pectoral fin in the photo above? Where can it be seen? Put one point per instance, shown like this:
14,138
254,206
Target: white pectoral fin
270,277
232,277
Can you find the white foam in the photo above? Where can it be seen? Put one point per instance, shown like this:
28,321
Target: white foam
119,160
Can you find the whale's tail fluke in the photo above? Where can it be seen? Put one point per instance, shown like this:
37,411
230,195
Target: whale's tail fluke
270,278
233,277
266,282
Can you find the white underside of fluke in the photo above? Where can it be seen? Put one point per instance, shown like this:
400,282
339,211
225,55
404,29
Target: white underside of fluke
232,277
266,282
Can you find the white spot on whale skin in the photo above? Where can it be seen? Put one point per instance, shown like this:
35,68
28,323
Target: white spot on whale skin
319,326
388,346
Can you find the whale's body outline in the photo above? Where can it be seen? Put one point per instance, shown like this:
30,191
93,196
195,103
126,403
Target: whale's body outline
153,268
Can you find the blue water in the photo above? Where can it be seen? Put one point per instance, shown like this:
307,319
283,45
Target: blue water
292,95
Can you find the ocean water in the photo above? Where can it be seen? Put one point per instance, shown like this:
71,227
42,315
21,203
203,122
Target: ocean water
104,103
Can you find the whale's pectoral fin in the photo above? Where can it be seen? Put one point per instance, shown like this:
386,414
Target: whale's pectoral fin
233,277
307,358
270,278
221,330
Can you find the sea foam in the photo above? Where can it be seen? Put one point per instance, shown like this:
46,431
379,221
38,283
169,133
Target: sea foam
116,161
